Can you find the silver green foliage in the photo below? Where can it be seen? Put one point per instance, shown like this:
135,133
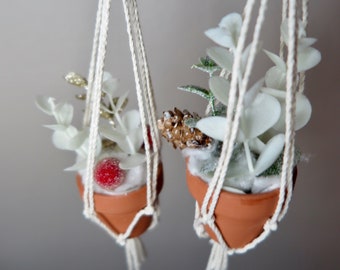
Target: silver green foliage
260,139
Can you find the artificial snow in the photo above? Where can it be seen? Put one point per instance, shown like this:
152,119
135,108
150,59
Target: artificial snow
202,163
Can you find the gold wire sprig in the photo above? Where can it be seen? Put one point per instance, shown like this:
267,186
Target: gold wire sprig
106,110
76,79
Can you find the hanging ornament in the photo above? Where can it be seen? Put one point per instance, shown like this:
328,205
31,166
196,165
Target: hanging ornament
119,173
241,174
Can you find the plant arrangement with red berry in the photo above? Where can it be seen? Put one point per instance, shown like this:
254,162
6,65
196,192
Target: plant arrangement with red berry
120,157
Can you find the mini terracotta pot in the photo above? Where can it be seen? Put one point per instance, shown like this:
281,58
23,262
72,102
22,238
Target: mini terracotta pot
118,211
239,217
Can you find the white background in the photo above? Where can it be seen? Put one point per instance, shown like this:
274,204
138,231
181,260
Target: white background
41,222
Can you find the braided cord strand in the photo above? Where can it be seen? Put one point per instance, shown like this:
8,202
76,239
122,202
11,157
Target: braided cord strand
144,98
148,99
220,251
133,247
288,159
284,15
151,109
287,168
286,178
302,75
226,148
216,184
91,72
95,95
243,86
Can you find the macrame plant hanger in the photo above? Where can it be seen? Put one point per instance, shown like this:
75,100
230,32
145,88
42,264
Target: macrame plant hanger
205,215
133,247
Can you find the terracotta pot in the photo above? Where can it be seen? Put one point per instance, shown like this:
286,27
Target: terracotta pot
117,211
239,217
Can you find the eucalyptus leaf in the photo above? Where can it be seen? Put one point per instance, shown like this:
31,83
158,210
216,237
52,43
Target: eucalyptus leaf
132,161
45,104
252,93
305,42
270,153
56,127
136,136
110,84
279,94
63,113
79,139
220,87
132,141
256,145
276,60
112,134
62,139
307,59
246,52
131,120
222,57
213,126
121,101
303,113
261,115
284,31
228,32
276,78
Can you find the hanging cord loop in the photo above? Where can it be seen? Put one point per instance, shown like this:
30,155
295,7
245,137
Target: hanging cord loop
93,99
205,215
134,249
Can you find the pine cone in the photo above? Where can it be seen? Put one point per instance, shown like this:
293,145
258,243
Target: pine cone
173,128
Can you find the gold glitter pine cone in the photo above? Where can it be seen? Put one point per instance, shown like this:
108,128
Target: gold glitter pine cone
173,128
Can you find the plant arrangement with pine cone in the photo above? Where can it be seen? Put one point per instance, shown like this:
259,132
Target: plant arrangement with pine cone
256,161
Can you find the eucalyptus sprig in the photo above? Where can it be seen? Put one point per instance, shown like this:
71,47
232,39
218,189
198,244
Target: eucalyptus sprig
260,140
122,130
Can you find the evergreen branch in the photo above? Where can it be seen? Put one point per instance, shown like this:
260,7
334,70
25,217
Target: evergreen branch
196,90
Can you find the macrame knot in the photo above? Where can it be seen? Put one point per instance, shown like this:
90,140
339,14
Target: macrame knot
199,228
149,210
270,226
206,219
121,240
231,252
88,213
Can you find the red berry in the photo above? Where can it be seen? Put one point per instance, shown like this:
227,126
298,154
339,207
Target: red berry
108,174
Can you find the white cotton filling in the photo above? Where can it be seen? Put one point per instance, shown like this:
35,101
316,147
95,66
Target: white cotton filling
198,158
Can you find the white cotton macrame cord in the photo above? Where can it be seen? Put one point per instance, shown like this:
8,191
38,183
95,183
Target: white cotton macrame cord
91,73
219,254
218,257
287,167
215,186
144,96
94,93
231,107
284,15
302,75
288,158
135,252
